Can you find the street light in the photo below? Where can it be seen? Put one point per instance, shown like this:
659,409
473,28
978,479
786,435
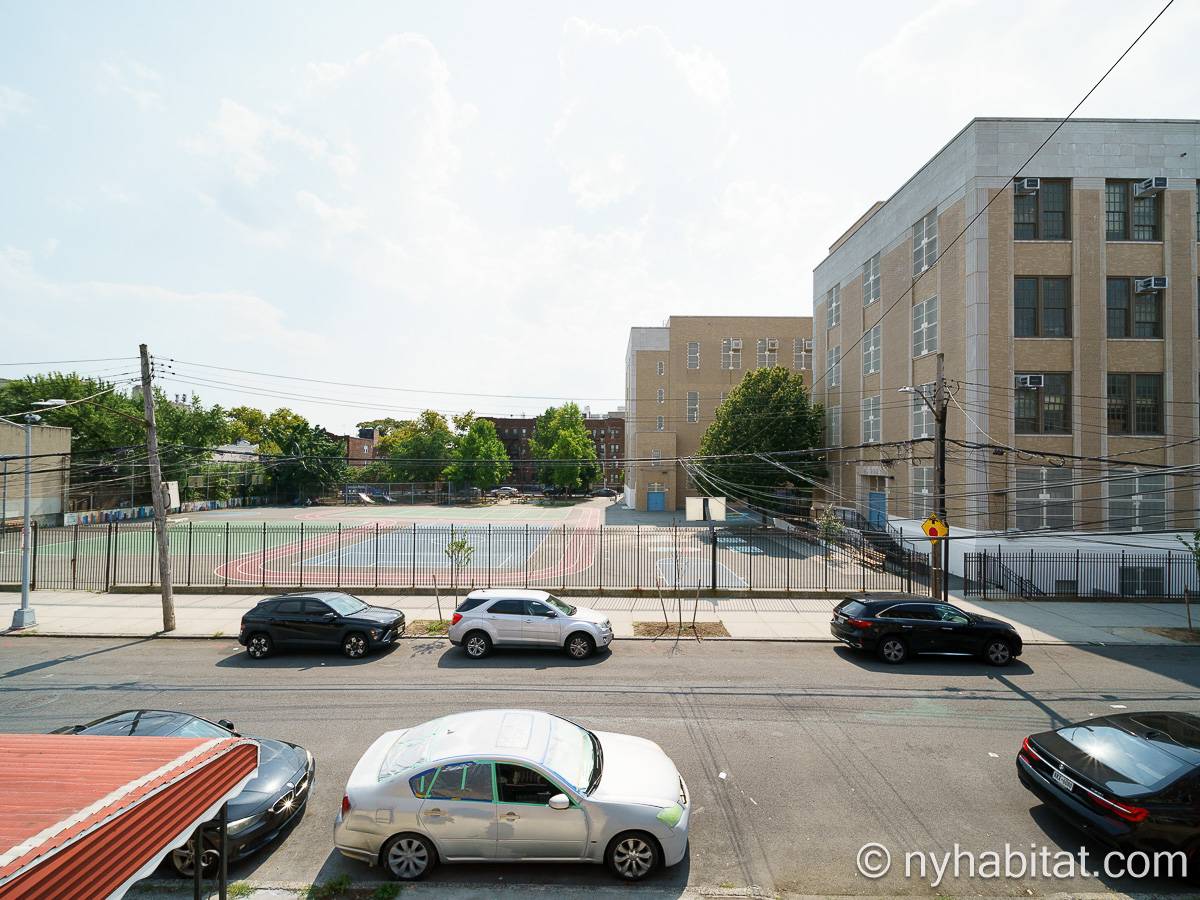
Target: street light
24,616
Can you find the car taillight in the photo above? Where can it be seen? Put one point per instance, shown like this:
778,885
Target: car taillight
1028,752
1128,813
858,623
456,618
345,805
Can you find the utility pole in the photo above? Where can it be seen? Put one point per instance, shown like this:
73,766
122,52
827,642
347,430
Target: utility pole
156,489
24,617
942,565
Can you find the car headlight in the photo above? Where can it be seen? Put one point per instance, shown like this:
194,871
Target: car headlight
237,826
374,633
671,815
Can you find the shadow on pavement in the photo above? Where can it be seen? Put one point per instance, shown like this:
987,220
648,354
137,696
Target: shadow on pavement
301,660
940,664
74,657
455,658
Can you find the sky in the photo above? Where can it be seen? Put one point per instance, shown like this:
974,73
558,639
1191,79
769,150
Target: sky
468,205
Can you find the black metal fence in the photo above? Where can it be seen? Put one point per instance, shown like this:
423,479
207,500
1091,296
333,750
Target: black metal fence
1033,574
409,556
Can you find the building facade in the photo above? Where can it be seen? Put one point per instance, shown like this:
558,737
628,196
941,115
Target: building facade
1067,316
607,433
49,473
676,376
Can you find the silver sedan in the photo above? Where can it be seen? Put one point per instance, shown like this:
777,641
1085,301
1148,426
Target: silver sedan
513,785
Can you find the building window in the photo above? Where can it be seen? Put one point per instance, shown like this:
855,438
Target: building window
1044,498
693,354
1041,307
835,366
656,456
924,241
833,426
1044,410
660,423
662,395
1130,218
662,368
1141,581
693,406
731,353
872,351
925,327
870,280
1135,404
802,353
834,306
1137,502
724,396
923,422
768,352
1132,314
871,420
922,492
1044,214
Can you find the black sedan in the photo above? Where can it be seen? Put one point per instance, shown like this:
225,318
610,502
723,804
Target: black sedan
315,620
896,629
1131,780
270,801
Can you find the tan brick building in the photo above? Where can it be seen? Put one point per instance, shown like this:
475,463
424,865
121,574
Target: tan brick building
1067,315
676,376
50,477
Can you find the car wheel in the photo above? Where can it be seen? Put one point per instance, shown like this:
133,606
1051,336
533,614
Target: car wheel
632,856
354,645
580,645
893,650
998,652
259,645
182,859
408,857
477,644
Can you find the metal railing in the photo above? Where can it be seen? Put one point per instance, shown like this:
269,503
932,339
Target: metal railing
1048,575
410,556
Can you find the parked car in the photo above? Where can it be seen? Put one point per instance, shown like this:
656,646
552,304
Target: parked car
316,620
1130,780
897,629
271,801
506,617
513,785
504,492
603,492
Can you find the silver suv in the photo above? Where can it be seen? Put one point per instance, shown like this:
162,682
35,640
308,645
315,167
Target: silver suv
502,617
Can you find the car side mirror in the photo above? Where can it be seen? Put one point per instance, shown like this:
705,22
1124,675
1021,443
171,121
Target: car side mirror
329,616
551,614
560,801
226,724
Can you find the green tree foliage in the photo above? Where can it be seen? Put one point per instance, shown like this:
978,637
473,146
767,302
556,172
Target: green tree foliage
479,457
247,423
561,437
768,412
301,459
420,450
384,426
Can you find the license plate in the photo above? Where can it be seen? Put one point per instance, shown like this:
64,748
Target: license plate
1062,780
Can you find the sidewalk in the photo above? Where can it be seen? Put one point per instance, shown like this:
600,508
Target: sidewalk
81,613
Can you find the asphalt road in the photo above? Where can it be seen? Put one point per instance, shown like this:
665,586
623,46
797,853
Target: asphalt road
796,754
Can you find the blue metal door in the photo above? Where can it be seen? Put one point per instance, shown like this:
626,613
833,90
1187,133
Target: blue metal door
656,501
877,509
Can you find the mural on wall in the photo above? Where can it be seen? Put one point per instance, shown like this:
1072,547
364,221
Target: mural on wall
101,516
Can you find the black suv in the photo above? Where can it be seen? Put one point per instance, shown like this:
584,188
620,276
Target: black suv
319,619
895,629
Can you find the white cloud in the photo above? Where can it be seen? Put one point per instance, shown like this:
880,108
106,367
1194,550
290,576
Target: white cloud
13,103
133,79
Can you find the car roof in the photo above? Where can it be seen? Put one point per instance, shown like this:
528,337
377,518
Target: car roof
306,595
498,733
515,593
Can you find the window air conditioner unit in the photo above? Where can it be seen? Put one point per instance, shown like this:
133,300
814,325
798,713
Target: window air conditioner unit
1030,381
1150,285
1148,186
1025,186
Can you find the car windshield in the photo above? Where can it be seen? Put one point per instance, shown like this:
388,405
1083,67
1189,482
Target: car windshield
1143,765
344,604
571,754
411,747
565,608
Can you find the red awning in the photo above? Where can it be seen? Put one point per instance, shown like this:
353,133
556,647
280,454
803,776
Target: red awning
85,816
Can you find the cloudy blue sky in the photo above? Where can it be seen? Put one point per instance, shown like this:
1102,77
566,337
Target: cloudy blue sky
483,197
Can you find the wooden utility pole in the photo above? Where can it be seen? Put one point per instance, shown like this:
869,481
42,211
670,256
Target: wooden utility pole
941,553
160,501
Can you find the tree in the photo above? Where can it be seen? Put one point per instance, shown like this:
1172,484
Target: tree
384,426
1193,545
561,439
301,459
247,423
459,551
420,450
769,412
479,457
